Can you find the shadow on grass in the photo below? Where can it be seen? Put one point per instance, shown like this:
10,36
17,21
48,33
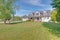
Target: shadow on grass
14,23
53,27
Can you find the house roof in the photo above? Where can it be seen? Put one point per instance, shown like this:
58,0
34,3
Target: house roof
24,16
46,13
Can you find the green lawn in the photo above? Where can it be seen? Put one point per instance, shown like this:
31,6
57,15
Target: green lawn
26,31
53,27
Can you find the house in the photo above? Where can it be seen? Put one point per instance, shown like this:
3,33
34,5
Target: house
43,16
25,18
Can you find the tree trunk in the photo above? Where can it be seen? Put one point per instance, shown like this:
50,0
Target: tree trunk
9,21
4,21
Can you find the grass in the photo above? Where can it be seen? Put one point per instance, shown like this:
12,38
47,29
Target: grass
25,31
53,27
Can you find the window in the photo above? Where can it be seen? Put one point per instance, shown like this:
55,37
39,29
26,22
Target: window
47,17
33,13
37,13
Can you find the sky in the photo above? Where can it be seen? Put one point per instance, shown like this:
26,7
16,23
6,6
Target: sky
28,6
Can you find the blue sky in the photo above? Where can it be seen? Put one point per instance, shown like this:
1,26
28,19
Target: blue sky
28,6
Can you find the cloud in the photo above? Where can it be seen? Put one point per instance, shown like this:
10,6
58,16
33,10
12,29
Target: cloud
22,12
35,2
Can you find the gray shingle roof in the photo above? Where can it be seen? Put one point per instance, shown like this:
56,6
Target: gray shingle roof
40,14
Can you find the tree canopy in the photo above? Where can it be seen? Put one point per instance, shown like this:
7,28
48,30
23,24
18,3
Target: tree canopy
56,5
6,9
53,16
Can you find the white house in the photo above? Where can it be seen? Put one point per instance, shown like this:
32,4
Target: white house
46,19
43,16
25,18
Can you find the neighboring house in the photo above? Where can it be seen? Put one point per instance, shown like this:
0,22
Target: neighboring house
43,16
25,18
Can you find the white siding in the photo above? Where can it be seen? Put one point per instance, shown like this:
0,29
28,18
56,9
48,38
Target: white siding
46,19
25,19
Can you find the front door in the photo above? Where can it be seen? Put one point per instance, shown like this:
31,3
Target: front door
37,18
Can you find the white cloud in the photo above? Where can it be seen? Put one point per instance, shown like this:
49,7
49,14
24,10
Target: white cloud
35,2
22,12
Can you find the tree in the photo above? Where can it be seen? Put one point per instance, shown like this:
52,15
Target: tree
58,17
53,16
6,9
56,4
17,18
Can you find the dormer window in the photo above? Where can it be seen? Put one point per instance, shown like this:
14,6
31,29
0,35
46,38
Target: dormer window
37,13
33,13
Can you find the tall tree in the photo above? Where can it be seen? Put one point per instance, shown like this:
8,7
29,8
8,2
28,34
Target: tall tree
56,4
53,16
6,9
